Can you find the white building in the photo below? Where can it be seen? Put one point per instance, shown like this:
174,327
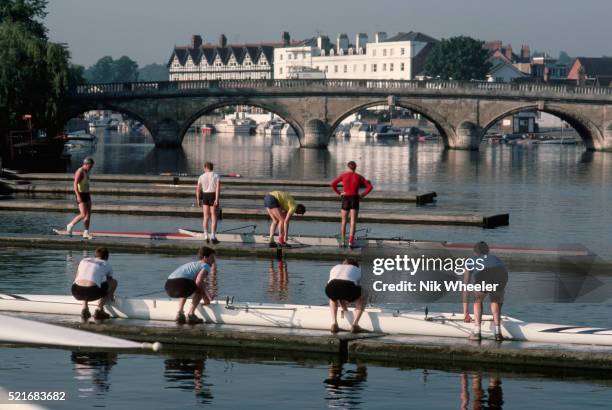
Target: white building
222,62
401,57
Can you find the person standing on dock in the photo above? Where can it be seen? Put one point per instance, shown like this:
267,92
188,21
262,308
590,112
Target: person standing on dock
281,206
208,195
494,273
351,183
83,197
343,288
191,279
94,281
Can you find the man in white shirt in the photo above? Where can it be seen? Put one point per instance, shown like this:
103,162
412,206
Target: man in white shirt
94,281
208,192
343,287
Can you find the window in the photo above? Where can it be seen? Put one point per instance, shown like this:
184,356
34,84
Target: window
289,57
391,52
402,66
281,57
365,68
384,67
402,51
326,69
390,66
373,68
354,68
280,70
374,53
384,52
335,69
345,68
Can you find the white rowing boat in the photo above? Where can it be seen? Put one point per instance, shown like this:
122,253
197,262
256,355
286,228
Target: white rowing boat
330,241
18,330
315,318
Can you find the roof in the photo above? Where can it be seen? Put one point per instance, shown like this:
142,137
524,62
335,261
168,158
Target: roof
209,53
501,65
411,36
596,66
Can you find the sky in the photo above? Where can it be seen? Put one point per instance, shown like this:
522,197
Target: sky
147,30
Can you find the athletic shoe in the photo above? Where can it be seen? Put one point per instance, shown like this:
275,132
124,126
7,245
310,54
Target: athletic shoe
85,314
352,245
356,329
86,234
100,314
69,229
499,337
475,336
181,319
215,241
194,320
273,245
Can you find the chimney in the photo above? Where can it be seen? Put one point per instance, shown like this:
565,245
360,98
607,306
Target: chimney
509,52
286,38
380,36
546,74
360,40
525,52
323,42
222,41
196,41
342,42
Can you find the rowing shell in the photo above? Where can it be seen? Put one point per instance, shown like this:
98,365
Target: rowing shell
316,318
332,241
29,331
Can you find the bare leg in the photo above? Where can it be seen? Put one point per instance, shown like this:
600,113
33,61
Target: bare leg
478,311
112,286
343,220
333,307
182,302
194,302
496,310
359,306
206,211
87,218
81,215
353,215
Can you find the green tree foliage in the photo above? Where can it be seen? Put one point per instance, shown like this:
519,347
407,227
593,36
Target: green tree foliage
458,58
153,72
27,12
108,70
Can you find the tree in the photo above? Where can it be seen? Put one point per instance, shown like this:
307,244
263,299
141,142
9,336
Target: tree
108,70
153,72
28,12
458,58
564,58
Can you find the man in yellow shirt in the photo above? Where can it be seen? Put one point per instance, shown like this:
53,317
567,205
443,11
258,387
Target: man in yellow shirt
281,206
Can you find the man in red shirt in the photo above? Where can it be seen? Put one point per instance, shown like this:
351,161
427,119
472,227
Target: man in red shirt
351,182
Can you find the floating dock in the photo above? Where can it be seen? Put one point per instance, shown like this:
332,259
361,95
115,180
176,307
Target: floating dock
370,347
462,219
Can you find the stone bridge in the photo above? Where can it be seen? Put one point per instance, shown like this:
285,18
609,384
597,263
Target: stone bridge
461,111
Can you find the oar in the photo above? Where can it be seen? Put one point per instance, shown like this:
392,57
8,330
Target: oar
253,227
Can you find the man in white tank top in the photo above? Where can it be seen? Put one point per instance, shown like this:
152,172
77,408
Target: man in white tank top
94,281
208,192
343,287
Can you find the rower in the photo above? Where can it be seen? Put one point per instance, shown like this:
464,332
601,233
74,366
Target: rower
191,279
281,206
494,273
351,182
94,281
208,194
343,287
83,197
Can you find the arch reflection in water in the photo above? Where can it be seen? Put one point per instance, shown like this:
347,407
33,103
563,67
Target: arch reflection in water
92,372
345,384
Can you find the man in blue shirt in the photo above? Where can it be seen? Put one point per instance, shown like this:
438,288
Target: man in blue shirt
191,279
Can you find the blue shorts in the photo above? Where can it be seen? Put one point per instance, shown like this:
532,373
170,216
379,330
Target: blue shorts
270,202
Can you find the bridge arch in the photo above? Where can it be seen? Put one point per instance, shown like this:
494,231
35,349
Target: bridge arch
197,113
585,129
443,127
74,111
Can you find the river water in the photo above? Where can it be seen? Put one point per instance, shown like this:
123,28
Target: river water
554,194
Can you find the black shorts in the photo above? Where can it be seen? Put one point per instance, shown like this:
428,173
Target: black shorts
208,198
350,202
85,197
270,202
180,287
492,276
89,293
338,289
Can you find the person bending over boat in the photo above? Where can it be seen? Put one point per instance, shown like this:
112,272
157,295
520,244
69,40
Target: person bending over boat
94,281
281,206
208,195
191,279
343,288
83,197
494,273
351,183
